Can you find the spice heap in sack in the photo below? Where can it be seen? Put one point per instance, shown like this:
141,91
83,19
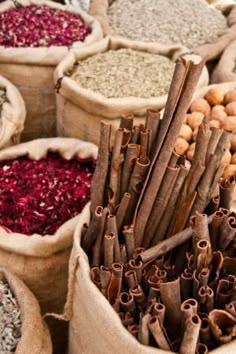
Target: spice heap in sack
35,36
174,298
10,320
124,73
41,26
38,196
44,186
220,108
191,23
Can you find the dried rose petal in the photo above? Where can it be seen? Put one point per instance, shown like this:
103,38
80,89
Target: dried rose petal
39,196
41,26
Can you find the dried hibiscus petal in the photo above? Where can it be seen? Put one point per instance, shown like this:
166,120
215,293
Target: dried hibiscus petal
41,26
39,196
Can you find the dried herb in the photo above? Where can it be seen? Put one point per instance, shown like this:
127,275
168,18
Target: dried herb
10,321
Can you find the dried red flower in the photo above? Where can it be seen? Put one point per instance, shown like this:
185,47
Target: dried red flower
41,26
39,196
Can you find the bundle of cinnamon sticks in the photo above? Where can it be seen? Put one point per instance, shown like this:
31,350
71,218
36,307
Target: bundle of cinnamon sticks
167,268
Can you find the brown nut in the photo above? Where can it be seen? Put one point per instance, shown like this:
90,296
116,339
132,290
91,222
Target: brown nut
230,109
217,113
214,123
195,119
181,146
214,96
230,96
226,158
229,171
186,132
233,142
229,124
233,159
200,105
191,151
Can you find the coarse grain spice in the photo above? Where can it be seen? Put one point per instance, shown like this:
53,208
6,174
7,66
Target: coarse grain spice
124,73
41,26
10,321
187,22
38,196
2,98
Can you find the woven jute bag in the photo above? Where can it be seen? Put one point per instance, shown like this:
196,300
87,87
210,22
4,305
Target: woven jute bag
80,110
42,262
95,327
31,70
12,114
35,337
224,70
210,51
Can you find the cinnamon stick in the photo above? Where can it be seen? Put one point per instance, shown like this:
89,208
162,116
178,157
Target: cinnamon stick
115,172
144,336
213,142
178,109
219,320
128,234
100,176
93,229
170,296
111,228
114,288
132,153
160,204
191,334
109,244
227,187
158,333
144,143
97,254
122,211
126,121
152,124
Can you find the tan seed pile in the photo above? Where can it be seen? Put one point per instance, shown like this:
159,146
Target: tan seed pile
187,22
125,73
10,322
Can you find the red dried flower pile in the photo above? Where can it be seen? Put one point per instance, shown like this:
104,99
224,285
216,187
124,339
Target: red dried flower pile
41,26
39,196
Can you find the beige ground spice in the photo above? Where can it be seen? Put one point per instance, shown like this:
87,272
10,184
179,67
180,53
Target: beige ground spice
187,22
10,322
125,73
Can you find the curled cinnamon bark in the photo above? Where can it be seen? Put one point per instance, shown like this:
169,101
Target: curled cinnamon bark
111,227
201,349
117,159
114,288
99,181
158,309
188,308
94,227
227,231
109,245
152,124
191,334
122,211
231,308
131,278
144,143
170,296
144,336
127,303
128,233
132,153
186,284
188,74
221,320
205,331
105,277
226,192
157,331
126,121
97,254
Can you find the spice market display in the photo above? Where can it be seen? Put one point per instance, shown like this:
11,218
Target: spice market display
123,241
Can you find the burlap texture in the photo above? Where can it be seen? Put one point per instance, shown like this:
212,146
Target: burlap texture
80,111
42,262
31,70
95,328
12,115
99,10
224,70
35,337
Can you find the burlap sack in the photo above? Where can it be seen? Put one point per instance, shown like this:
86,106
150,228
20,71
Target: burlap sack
35,337
80,111
224,70
99,10
31,70
42,262
12,115
95,327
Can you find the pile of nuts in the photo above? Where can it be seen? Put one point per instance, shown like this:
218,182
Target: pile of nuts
220,109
